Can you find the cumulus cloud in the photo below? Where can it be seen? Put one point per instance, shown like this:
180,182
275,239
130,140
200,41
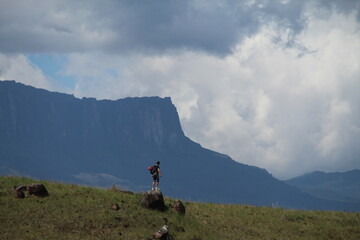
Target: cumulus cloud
18,67
270,83
122,26
127,26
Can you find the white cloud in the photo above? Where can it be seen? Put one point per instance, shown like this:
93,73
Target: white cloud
18,67
335,130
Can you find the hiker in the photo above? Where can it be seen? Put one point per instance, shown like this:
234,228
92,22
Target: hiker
156,174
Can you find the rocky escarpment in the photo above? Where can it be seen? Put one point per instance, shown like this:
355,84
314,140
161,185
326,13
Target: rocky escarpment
27,113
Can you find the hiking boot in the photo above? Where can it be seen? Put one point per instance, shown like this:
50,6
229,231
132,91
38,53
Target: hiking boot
157,189
152,189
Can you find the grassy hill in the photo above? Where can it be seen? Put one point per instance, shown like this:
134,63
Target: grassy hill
79,212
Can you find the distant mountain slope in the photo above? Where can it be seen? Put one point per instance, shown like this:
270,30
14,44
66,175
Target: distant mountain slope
57,136
334,186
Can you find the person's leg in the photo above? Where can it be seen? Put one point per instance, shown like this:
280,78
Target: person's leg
152,185
157,184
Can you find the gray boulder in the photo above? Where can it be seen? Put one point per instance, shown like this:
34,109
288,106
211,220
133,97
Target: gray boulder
34,189
19,191
38,190
162,234
153,200
19,194
115,207
179,207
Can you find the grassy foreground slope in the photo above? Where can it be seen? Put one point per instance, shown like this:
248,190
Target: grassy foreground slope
78,212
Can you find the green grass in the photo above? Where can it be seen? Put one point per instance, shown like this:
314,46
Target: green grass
78,212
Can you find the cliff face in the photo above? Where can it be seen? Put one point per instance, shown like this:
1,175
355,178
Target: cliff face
57,136
26,114
62,133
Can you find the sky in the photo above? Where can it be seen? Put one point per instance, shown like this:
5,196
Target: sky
273,84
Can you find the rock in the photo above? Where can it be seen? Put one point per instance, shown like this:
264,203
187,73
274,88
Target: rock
19,194
34,189
153,200
19,191
115,207
162,233
179,207
19,188
38,190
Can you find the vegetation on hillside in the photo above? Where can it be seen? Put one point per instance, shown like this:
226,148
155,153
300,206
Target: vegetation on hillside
80,212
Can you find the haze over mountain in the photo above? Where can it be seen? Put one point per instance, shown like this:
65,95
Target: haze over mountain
56,136
340,186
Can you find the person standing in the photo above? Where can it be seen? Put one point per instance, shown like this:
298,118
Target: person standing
156,174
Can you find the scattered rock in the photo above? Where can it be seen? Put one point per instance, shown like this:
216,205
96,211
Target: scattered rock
153,200
179,207
38,190
19,194
115,207
19,191
19,188
34,189
162,234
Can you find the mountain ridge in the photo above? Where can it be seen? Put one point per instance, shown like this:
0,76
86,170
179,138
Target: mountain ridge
340,186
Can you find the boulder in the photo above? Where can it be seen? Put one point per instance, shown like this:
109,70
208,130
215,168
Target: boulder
179,207
162,234
34,189
115,207
153,200
38,190
19,191
19,188
19,194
